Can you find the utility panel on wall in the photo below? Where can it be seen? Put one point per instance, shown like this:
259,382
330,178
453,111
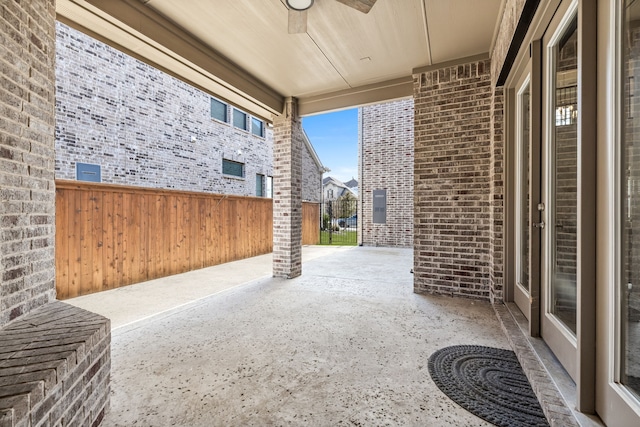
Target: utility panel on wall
379,206
88,172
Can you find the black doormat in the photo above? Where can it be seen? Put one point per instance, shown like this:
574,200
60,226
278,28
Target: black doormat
487,382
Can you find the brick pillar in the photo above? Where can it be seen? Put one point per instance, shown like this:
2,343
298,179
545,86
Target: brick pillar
287,197
453,180
77,394
27,190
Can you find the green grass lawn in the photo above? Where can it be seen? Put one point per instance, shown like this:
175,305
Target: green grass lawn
339,238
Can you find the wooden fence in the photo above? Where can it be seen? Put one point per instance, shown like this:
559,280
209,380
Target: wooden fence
109,236
310,223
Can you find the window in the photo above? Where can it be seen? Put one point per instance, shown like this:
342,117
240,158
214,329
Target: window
229,167
218,110
260,185
88,172
523,106
563,178
239,119
257,127
567,105
270,187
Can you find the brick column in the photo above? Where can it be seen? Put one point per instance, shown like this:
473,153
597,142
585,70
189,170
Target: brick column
78,392
27,190
453,181
287,197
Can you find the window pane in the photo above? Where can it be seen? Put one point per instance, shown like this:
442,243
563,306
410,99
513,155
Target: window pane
239,119
565,178
218,110
630,197
257,127
232,168
270,186
523,189
260,185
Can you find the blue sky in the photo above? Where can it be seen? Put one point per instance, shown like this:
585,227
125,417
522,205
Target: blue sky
335,138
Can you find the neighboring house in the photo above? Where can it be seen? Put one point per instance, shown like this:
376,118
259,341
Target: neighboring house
333,188
386,190
121,121
352,184
312,170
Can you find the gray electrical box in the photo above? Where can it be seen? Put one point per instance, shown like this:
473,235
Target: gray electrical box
379,206
88,172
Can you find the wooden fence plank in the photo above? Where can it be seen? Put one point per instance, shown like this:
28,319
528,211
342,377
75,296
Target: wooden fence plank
168,223
173,255
201,254
108,242
219,230
137,214
180,236
143,254
310,223
118,230
129,239
74,244
160,236
97,242
86,243
62,242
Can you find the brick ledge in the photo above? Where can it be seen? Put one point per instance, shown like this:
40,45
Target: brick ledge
54,367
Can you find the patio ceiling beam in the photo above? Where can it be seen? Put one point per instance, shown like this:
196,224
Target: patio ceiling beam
143,20
363,95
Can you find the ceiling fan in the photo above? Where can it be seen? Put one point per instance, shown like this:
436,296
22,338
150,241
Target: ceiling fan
298,12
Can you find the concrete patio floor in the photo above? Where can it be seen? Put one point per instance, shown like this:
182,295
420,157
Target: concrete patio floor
347,343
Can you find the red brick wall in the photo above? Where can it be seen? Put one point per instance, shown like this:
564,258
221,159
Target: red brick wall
456,175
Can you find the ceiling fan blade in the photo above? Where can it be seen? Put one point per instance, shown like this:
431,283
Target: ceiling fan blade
297,21
363,6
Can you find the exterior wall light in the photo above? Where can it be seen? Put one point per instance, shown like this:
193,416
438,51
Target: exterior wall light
299,4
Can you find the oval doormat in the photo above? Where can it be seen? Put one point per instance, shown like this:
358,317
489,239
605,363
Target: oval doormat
487,382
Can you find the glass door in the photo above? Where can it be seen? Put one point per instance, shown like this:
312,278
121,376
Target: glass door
618,380
559,201
622,383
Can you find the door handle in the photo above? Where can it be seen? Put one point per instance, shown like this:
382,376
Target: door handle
538,224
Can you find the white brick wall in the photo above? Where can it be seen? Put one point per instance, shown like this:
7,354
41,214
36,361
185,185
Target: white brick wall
138,123
311,178
386,147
